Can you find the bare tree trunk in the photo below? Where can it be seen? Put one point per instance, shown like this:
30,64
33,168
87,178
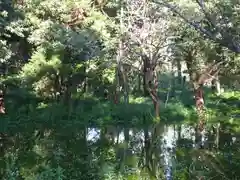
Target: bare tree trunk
198,96
199,99
119,69
67,92
179,68
139,83
2,107
216,86
145,77
145,90
217,135
154,96
3,72
85,84
151,84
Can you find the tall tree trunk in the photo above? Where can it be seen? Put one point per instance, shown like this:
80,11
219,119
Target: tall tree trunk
199,100
145,90
172,80
198,96
139,83
216,134
57,86
85,84
179,68
67,92
119,68
151,84
153,91
2,107
3,72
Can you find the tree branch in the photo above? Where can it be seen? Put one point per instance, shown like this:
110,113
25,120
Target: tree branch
226,40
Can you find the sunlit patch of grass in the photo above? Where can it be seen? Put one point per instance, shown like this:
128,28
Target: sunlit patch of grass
138,100
230,94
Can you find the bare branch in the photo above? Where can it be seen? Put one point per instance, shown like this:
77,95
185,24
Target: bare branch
210,73
200,3
205,12
193,24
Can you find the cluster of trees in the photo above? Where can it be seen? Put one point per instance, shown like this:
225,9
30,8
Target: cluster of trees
119,65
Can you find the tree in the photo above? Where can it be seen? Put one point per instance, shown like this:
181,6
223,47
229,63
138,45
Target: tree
143,28
216,20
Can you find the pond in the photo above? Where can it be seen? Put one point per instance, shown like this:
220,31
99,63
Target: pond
114,152
164,156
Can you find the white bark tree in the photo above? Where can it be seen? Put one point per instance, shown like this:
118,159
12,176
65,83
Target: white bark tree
147,39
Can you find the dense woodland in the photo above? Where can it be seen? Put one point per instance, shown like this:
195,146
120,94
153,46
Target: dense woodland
120,89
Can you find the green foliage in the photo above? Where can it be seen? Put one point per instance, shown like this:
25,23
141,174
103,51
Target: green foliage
76,111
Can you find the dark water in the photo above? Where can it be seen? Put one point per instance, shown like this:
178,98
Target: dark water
164,152
119,153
